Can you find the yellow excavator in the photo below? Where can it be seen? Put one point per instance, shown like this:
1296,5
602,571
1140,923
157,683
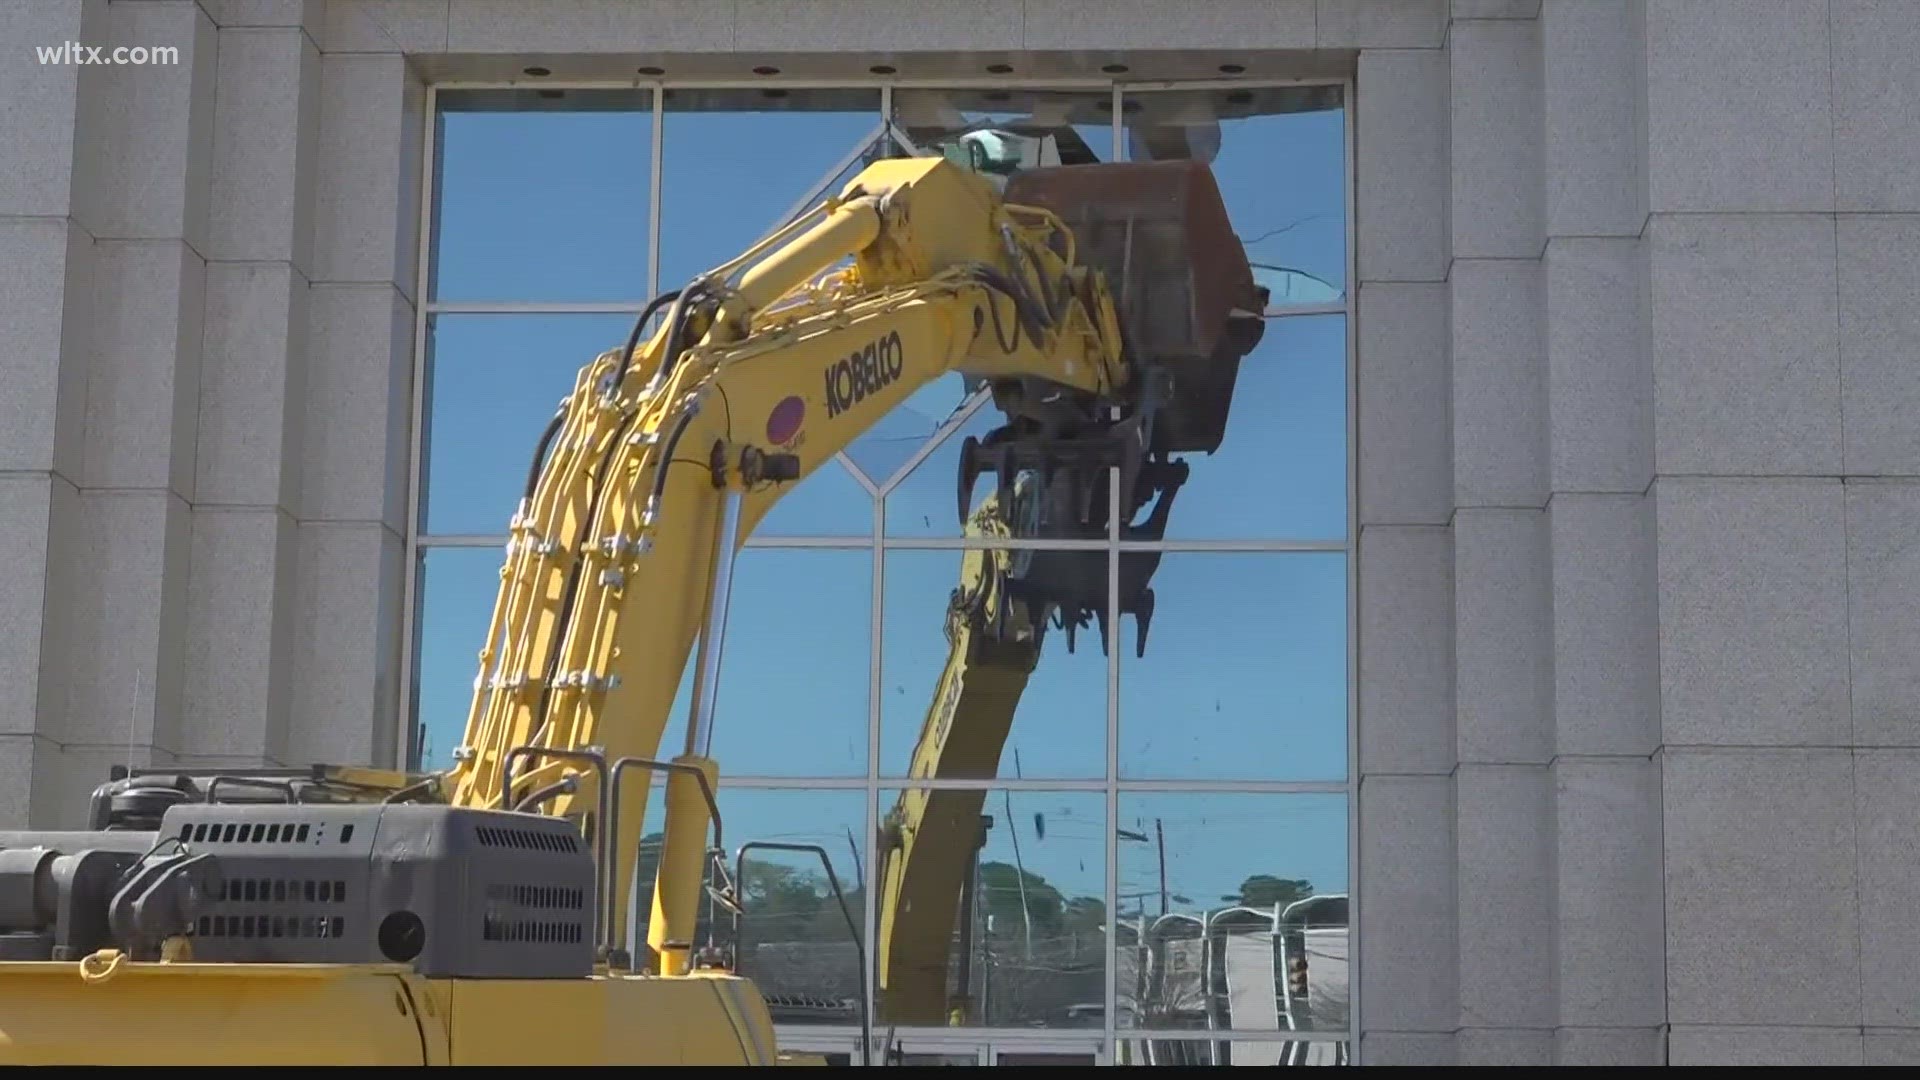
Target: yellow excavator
345,915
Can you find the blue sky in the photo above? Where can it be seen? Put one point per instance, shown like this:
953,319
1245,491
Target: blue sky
1244,676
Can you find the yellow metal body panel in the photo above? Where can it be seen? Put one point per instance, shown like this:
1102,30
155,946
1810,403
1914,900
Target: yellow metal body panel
316,1014
215,1014
636,1020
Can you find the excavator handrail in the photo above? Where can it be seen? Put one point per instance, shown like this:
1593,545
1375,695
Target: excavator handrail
706,789
620,766
285,785
833,879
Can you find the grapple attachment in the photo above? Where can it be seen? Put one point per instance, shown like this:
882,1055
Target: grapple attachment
1189,310
1159,232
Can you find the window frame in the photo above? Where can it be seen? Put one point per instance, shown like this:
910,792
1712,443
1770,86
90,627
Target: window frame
417,541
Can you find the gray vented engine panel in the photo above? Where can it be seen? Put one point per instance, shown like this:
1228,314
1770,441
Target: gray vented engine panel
455,892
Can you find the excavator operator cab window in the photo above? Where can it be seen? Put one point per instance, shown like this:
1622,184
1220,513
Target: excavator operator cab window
968,154
998,153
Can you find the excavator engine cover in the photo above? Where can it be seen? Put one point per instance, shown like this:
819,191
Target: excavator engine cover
1159,232
455,892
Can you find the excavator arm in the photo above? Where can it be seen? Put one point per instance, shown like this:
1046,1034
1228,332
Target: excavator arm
929,836
667,455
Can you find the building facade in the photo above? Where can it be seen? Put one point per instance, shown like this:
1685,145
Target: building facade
1537,647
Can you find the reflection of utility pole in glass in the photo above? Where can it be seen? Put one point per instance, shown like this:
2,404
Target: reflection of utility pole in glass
957,1014
1138,838
1019,874
1160,838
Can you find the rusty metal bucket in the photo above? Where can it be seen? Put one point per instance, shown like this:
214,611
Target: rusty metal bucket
1159,232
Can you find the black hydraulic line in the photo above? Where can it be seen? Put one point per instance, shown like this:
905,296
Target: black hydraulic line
573,573
676,329
1000,329
1018,260
564,785
673,444
612,384
540,450
1022,303
633,338
673,349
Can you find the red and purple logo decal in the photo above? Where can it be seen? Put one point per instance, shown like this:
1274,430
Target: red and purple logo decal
784,422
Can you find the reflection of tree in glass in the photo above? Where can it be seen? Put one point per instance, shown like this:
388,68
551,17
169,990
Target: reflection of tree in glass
782,895
782,903
1265,890
1084,913
1047,908
1037,968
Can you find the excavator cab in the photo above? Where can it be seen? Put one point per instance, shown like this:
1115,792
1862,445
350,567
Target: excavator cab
999,153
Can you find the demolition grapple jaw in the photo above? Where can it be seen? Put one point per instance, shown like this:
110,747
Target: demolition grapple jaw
1159,235
1142,612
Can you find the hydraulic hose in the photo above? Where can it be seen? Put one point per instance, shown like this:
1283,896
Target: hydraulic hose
540,451
573,577
633,338
612,383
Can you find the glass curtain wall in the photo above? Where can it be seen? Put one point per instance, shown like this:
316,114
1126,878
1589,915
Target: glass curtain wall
1156,861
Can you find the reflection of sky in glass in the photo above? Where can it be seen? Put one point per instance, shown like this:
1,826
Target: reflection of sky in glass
1060,726
1245,672
728,178
1281,470
495,382
830,502
543,206
1215,841
1282,177
923,504
458,588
